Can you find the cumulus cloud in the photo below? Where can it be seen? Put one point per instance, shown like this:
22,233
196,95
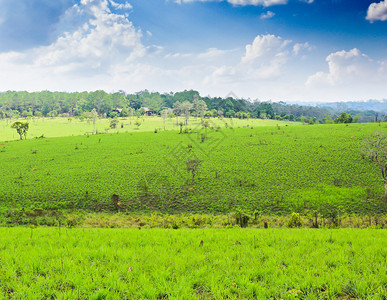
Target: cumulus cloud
103,39
264,48
349,68
263,59
377,11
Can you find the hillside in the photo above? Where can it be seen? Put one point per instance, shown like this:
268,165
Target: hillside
270,170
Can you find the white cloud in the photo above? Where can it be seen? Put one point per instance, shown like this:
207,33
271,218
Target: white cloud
298,47
265,3
267,15
212,53
349,68
125,5
105,38
178,55
377,11
263,60
264,48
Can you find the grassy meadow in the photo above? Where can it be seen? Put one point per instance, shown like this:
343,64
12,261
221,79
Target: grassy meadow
261,170
83,197
60,127
58,263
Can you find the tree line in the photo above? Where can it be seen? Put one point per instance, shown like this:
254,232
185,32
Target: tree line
51,104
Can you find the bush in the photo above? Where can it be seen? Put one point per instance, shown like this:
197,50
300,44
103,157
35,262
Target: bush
242,219
295,220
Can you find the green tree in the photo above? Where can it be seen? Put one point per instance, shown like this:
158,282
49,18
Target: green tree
52,113
124,112
21,128
114,123
344,118
328,119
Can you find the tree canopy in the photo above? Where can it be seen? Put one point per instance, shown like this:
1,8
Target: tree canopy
50,104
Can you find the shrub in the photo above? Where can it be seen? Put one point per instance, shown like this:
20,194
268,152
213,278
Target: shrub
295,220
242,219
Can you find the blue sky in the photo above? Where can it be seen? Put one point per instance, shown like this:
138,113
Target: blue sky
289,50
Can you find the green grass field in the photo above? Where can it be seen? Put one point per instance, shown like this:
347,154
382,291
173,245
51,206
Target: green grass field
269,170
58,263
60,127
261,169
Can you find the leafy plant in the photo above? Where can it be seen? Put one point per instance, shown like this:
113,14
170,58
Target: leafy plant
295,220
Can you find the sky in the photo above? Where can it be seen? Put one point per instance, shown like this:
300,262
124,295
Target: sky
279,50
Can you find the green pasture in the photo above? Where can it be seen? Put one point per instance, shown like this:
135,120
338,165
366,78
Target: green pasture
59,127
58,263
269,170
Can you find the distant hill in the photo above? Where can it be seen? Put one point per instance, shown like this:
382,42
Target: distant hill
374,105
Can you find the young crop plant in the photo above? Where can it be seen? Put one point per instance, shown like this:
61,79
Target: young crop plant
138,123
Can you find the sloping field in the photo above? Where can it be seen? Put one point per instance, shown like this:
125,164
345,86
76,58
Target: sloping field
271,170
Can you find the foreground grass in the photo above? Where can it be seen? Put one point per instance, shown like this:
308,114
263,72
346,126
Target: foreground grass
48,263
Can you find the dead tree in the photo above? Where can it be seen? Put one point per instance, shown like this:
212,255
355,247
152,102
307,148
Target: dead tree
193,166
375,149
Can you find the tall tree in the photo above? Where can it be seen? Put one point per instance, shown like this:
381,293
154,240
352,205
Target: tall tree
186,108
21,128
199,107
177,110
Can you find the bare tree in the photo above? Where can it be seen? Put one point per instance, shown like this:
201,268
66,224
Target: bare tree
186,108
94,116
199,107
375,149
177,110
193,166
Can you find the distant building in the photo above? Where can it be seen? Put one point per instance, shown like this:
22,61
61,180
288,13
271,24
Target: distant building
149,112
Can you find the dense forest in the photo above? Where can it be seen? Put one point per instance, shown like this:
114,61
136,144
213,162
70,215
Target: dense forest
24,104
